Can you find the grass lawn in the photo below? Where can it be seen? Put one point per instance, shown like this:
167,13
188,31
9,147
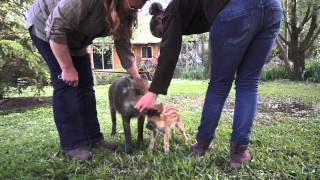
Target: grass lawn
285,139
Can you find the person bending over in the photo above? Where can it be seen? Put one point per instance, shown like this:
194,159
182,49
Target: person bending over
242,33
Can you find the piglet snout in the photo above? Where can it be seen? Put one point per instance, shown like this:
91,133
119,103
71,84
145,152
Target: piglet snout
150,126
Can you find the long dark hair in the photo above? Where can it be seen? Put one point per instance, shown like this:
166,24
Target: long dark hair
114,19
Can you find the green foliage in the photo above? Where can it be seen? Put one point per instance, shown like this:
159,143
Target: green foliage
101,45
195,37
273,72
12,19
103,78
274,53
19,68
19,65
312,71
191,73
286,148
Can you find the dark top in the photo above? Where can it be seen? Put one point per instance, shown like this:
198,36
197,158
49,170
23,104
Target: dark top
181,17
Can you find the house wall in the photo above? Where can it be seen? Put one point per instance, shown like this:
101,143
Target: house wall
116,59
136,49
156,53
137,52
90,52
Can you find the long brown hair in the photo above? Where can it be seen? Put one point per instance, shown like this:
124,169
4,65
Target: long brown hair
115,20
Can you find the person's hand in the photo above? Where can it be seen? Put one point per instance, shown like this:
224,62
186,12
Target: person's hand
70,76
146,102
134,71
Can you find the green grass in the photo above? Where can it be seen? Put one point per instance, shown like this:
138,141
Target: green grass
287,89
284,147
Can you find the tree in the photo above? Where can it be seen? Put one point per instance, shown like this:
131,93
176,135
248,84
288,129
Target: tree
301,29
20,64
203,51
11,18
19,68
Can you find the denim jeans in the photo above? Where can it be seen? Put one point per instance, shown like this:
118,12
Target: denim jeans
74,108
241,38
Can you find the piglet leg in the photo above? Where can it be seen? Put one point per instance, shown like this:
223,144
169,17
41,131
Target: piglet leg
153,139
113,120
140,130
127,134
166,140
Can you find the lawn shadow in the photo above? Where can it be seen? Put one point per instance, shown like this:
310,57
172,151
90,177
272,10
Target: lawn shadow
22,104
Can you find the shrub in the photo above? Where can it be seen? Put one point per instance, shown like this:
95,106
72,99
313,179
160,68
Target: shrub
274,71
104,78
192,73
20,68
312,71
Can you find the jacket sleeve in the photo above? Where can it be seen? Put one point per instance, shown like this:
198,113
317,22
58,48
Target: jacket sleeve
169,53
65,17
123,47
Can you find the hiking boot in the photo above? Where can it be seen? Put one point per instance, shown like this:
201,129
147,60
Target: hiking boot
79,154
103,144
239,154
199,149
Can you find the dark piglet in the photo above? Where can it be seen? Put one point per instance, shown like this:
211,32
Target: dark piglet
123,95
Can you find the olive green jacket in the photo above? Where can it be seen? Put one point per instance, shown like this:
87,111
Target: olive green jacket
76,23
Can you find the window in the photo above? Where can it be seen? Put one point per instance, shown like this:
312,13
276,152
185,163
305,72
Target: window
146,52
103,60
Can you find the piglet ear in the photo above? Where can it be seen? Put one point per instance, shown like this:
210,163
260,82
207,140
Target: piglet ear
131,77
160,107
144,76
153,112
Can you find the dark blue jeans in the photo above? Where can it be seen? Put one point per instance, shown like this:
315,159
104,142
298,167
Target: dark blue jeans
74,109
241,38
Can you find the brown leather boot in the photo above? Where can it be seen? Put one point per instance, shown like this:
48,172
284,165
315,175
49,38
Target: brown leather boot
199,149
79,154
103,144
239,154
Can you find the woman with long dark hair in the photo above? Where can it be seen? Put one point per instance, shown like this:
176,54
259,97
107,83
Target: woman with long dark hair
62,30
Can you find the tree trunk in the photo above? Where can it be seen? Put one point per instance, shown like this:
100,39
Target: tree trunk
205,59
207,65
286,27
284,54
296,55
1,94
298,65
